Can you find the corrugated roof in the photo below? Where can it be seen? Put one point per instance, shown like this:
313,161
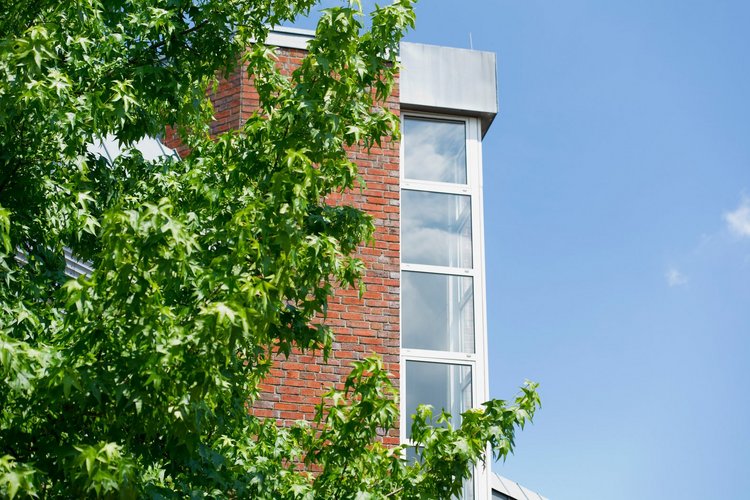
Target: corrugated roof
512,489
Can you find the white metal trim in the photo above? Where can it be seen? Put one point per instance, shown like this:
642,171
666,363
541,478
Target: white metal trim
428,268
484,489
435,187
455,358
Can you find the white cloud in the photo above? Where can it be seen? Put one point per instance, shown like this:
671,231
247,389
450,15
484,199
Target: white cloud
739,220
675,277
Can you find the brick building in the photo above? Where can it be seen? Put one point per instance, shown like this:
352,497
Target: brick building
424,309
363,325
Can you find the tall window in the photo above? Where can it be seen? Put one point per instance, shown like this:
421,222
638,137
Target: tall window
442,294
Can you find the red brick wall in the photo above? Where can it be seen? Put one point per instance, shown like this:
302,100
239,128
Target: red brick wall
363,326
233,102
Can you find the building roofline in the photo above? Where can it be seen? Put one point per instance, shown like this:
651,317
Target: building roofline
512,489
433,78
449,80
294,31
290,38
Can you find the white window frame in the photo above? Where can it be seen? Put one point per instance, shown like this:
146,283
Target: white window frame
478,359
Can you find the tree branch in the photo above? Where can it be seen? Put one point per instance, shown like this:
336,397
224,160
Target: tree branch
160,44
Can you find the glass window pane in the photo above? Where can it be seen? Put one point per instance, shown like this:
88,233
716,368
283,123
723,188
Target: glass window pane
435,229
437,312
412,456
434,150
444,386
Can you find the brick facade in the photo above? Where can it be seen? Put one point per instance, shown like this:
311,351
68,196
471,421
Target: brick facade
362,326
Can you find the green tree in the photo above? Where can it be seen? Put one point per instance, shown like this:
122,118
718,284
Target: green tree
136,381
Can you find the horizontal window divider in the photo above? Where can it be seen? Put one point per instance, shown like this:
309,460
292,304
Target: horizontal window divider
409,442
436,187
426,268
453,358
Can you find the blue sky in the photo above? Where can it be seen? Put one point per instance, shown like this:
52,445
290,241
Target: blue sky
617,218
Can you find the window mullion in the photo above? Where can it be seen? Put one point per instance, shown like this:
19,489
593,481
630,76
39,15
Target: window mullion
426,268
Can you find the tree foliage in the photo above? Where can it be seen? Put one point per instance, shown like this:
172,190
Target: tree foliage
135,381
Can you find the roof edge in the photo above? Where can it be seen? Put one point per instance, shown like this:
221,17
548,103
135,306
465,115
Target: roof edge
512,489
289,38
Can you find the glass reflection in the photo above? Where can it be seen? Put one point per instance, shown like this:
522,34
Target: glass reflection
435,150
436,229
412,456
444,386
438,312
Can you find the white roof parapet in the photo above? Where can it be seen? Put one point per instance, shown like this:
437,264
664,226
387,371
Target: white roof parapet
512,489
433,78
449,80
291,38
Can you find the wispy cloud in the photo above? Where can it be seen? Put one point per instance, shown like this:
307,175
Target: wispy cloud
738,220
675,277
